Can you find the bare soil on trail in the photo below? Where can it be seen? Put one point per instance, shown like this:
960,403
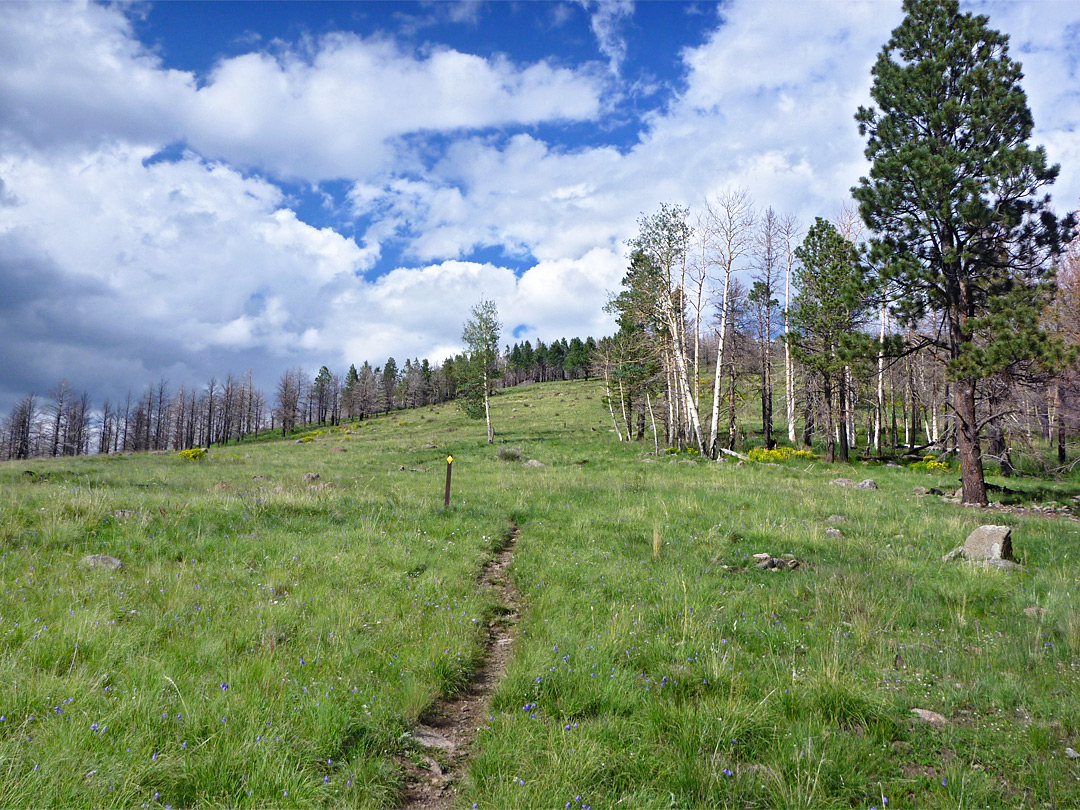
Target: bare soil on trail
450,726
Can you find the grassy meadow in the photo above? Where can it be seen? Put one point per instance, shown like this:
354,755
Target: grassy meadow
272,638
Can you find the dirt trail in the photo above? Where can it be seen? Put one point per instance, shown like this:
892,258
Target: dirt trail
451,725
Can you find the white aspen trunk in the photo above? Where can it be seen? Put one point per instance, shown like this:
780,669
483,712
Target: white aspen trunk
697,359
1051,415
487,411
622,407
691,408
849,416
652,418
879,415
671,408
611,410
686,394
719,363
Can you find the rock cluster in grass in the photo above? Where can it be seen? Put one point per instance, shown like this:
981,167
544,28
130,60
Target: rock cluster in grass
866,483
532,462
768,562
920,491
933,718
989,546
102,561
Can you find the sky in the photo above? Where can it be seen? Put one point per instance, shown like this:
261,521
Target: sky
192,189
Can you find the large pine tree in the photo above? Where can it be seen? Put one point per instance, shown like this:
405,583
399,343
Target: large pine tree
953,194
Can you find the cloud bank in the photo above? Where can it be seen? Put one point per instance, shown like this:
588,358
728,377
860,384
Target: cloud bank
149,223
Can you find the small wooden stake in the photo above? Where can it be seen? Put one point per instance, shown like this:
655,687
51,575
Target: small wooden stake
449,465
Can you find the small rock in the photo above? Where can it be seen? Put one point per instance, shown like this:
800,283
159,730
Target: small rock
102,561
892,464
762,555
1071,754
1001,565
757,768
836,519
1035,612
834,533
431,739
299,441
920,491
338,450
842,482
989,543
959,493
309,477
957,552
866,483
933,718
532,462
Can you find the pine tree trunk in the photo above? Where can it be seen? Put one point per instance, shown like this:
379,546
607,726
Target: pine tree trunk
766,394
830,435
971,470
879,416
808,419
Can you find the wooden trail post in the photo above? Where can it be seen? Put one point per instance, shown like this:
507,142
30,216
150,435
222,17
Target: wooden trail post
449,466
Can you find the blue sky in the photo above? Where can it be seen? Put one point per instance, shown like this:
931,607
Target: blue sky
190,189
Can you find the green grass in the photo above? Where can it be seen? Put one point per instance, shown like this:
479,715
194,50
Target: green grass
656,666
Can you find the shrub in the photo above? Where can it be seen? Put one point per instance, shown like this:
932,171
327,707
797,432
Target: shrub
193,454
930,464
778,454
689,451
509,454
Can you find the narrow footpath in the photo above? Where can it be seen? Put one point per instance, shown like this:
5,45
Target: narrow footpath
452,725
